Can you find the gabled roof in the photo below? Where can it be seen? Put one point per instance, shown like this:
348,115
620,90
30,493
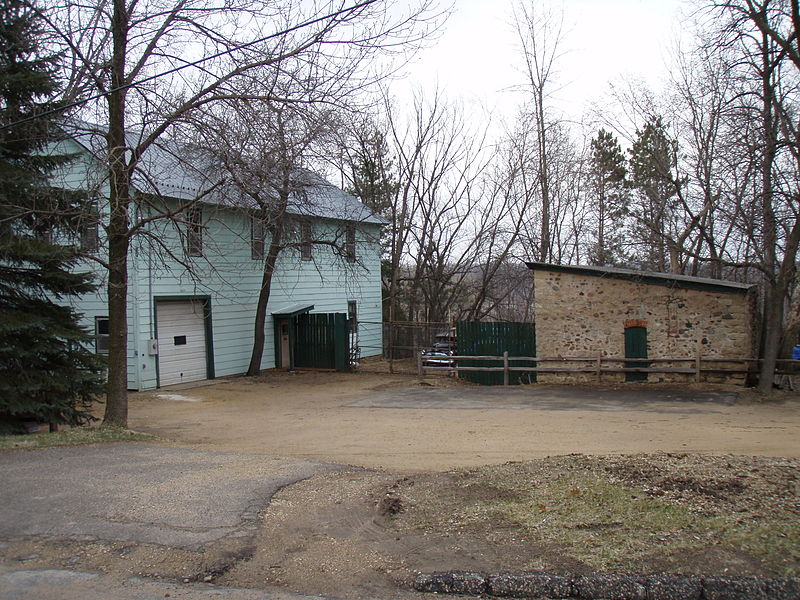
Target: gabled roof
184,171
652,278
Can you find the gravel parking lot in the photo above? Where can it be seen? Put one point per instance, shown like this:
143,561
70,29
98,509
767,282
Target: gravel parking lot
394,422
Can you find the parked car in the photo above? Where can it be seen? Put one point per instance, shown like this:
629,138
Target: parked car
438,355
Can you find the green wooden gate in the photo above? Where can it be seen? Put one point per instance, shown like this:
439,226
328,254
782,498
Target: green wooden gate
636,347
321,341
492,339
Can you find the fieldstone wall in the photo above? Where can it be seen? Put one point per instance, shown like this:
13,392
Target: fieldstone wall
585,316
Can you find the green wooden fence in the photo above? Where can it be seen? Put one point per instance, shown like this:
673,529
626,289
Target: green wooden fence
321,341
493,339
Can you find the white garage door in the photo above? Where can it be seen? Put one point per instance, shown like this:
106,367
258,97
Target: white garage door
181,341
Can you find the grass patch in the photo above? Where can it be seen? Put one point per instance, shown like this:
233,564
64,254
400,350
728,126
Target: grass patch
78,436
774,541
696,516
596,521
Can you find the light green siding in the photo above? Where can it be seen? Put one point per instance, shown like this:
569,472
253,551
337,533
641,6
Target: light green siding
227,275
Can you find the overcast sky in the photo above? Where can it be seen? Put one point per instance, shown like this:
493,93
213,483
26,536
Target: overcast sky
477,57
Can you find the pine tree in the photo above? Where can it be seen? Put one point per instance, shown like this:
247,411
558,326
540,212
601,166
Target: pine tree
373,182
607,174
46,373
653,160
371,172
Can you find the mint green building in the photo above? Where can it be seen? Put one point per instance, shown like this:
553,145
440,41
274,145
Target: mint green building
194,280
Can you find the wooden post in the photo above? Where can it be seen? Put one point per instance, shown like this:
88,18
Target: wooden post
697,361
598,362
389,333
505,367
420,373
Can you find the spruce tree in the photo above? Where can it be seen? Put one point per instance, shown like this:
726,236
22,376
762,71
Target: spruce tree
46,372
607,174
374,183
651,168
371,172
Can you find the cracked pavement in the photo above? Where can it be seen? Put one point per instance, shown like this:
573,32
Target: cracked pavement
138,494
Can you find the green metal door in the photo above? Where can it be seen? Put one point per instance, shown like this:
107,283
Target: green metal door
636,347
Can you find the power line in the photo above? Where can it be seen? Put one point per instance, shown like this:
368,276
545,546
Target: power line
190,64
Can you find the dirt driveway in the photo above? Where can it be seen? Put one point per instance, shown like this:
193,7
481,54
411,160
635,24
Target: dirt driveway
396,423
366,533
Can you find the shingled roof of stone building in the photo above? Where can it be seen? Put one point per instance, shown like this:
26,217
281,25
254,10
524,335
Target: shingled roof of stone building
648,277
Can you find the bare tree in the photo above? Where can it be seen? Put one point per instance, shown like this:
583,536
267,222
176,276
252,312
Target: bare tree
264,149
540,36
762,35
150,65
448,157
702,85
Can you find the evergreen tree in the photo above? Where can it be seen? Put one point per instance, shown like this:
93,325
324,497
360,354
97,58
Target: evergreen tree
371,172
372,180
607,174
652,166
46,373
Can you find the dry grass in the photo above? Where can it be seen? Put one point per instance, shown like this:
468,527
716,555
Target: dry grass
78,436
626,513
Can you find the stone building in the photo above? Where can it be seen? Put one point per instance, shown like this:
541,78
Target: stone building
592,312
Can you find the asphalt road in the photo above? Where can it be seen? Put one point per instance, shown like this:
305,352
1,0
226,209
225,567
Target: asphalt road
141,493
59,584
133,493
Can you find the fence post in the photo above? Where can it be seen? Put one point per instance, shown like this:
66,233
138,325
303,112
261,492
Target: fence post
697,361
598,362
390,348
505,367
418,354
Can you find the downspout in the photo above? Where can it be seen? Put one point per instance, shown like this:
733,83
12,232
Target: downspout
138,355
151,308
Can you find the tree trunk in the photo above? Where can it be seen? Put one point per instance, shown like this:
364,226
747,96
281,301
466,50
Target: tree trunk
772,324
773,295
544,180
600,254
263,299
116,412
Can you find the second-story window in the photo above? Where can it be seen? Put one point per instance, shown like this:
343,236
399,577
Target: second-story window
350,243
90,228
305,240
256,238
194,232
